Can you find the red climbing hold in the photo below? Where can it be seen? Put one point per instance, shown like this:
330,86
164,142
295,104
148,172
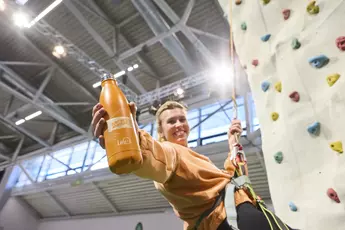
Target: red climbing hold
333,195
294,96
341,43
255,62
286,14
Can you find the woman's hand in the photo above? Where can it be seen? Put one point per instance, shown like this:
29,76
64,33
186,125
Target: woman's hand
234,128
98,121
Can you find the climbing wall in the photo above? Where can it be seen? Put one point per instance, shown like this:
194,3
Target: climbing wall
294,55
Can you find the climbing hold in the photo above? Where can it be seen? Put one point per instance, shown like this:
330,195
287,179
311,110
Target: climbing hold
295,44
341,43
332,79
319,61
278,157
265,86
238,2
292,206
244,26
286,14
278,86
337,146
333,195
294,96
244,66
274,116
255,62
265,38
312,8
314,128
266,1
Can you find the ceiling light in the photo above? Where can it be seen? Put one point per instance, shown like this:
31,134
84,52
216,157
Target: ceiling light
2,5
45,12
119,74
135,66
21,2
97,84
59,51
130,69
179,91
31,116
19,122
20,19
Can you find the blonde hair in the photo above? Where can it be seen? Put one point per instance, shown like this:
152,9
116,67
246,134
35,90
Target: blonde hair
166,106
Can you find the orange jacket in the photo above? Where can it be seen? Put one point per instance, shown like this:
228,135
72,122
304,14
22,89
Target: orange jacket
188,180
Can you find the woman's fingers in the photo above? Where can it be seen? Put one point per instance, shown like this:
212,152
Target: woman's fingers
99,128
97,117
101,141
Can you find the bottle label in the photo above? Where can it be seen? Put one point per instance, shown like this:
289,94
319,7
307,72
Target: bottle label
119,123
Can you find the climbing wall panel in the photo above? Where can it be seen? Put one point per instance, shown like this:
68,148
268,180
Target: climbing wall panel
294,51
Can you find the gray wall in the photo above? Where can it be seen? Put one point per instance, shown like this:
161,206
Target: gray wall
163,221
15,216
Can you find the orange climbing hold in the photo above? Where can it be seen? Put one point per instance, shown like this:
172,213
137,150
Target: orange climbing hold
337,146
238,2
332,79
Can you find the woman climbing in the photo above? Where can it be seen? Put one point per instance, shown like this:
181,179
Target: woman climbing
191,183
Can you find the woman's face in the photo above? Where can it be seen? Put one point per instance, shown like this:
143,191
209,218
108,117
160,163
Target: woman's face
174,126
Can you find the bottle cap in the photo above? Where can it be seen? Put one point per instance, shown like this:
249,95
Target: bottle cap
106,76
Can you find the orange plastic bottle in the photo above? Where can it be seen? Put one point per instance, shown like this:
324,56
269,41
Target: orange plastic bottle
121,139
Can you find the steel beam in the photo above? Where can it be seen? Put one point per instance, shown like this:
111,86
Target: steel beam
44,85
8,105
51,113
158,25
8,137
102,43
22,63
19,147
210,35
52,136
181,22
105,197
11,125
58,203
21,84
68,103
8,181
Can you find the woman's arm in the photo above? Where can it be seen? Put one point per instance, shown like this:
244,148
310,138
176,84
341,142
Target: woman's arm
159,159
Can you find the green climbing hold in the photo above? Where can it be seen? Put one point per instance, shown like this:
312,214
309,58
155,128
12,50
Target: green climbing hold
244,26
278,157
266,1
295,44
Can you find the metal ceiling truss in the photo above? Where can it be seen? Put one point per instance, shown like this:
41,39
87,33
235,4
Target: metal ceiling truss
57,38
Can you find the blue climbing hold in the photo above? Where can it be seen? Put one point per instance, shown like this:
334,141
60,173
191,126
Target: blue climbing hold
265,86
319,61
314,128
293,207
266,37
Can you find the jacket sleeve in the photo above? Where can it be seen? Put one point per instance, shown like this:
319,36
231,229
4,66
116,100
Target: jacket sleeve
159,159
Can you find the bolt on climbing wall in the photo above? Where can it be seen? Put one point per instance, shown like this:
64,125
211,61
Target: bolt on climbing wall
294,51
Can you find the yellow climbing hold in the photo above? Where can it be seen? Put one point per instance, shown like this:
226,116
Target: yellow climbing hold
332,79
274,116
337,146
312,8
278,86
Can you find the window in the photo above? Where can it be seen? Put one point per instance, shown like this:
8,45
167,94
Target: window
100,159
194,133
215,139
217,123
79,152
